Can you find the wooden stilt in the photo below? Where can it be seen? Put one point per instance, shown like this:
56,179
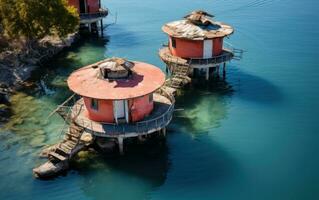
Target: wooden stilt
207,74
101,27
213,72
218,70
164,132
121,148
90,28
224,71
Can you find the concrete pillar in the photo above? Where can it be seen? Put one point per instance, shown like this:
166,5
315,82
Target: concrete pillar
164,132
90,28
207,73
101,27
121,148
224,71
141,138
218,71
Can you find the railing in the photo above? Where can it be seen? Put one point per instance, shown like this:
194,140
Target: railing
87,16
67,110
237,53
141,127
224,57
72,108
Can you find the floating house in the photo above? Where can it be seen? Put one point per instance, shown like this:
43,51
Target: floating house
196,46
90,12
116,99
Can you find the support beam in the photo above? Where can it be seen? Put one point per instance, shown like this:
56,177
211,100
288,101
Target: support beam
90,27
224,70
121,147
207,73
164,132
102,27
141,138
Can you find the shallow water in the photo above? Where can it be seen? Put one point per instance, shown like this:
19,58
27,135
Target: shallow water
254,136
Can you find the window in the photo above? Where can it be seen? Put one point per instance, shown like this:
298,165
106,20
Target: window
150,98
173,42
94,104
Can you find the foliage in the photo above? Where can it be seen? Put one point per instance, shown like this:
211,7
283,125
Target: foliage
34,19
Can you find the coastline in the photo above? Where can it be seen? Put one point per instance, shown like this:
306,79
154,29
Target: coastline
16,67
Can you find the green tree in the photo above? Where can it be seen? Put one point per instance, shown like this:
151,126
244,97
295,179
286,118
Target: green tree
34,19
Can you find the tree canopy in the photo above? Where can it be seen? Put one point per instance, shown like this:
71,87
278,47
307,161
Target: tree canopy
34,19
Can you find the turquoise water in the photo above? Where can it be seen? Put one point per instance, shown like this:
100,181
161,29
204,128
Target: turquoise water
254,136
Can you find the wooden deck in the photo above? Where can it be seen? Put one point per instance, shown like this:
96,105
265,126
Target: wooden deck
158,119
170,59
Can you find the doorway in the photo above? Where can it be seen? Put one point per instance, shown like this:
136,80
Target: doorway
120,111
208,49
82,6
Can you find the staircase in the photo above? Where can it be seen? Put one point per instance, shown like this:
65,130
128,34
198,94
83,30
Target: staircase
66,149
179,77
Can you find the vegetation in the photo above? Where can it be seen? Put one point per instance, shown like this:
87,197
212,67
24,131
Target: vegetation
33,19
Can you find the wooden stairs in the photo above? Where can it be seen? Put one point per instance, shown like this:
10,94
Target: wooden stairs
69,146
179,77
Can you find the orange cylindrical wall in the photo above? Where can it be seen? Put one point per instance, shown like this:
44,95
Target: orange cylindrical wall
194,48
104,112
139,108
92,6
186,48
217,46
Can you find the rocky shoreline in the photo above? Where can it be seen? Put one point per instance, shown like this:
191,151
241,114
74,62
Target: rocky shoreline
16,66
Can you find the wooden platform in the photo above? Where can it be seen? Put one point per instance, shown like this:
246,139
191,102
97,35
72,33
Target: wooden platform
170,59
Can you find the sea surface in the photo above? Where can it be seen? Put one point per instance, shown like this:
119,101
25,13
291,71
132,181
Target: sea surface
254,136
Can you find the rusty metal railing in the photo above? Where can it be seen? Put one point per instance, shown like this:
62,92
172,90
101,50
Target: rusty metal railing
103,12
141,127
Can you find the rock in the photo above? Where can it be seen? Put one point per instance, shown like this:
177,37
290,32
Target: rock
17,65
50,169
86,138
5,112
37,141
24,71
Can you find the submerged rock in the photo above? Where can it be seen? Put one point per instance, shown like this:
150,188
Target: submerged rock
5,113
50,169
38,141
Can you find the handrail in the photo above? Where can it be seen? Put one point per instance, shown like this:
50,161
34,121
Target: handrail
227,55
101,13
138,127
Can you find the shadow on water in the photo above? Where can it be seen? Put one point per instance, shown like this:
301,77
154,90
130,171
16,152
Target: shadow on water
202,106
133,176
256,89
201,162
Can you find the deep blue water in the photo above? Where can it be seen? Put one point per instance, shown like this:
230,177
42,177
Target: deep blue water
254,136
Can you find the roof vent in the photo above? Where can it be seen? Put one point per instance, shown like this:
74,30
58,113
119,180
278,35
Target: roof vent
115,68
200,18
